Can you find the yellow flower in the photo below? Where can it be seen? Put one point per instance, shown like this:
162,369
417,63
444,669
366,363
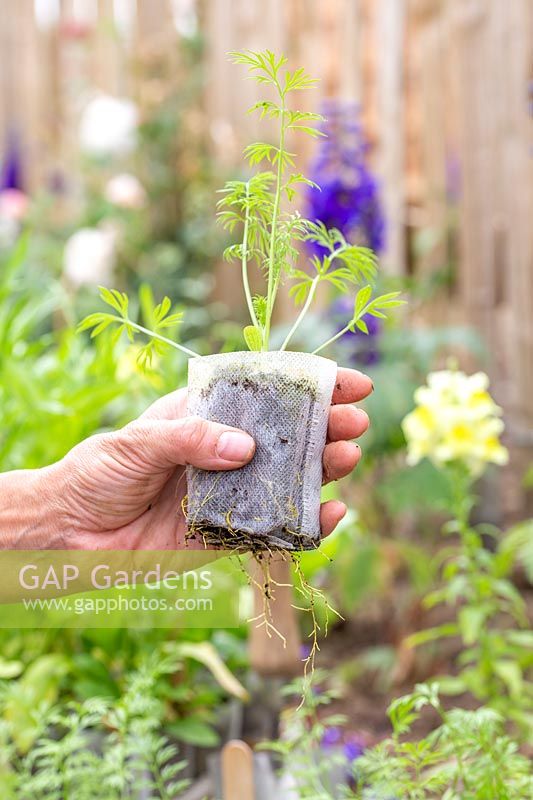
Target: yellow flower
455,420
128,367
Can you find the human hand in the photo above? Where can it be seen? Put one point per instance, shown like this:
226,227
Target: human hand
124,490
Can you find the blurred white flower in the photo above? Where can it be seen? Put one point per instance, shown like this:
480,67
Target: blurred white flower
9,231
108,126
125,191
89,256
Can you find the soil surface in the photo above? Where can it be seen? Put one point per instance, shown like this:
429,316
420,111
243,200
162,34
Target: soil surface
368,690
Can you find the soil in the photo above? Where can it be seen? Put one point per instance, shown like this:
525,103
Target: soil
366,696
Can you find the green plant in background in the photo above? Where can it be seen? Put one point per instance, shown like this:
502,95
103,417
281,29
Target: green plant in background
270,234
51,380
175,162
161,207
457,425
108,743
468,756
306,772
103,750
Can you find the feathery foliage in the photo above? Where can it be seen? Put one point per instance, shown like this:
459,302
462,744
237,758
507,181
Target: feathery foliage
271,231
105,750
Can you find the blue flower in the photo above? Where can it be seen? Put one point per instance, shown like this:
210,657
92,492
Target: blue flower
348,198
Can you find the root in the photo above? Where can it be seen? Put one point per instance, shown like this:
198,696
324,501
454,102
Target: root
262,548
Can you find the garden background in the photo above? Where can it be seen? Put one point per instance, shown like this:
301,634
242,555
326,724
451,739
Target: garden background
118,122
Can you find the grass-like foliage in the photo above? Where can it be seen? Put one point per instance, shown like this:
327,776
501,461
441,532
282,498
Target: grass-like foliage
260,208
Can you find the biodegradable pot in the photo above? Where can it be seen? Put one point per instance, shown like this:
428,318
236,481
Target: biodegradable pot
282,399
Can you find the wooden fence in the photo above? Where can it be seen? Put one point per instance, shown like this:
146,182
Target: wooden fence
445,88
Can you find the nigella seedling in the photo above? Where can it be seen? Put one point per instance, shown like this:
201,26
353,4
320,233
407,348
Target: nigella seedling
282,397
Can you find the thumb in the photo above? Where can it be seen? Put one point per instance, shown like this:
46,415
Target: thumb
161,444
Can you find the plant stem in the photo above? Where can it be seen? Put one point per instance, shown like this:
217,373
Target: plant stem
245,259
303,312
272,283
164,339
333,339
346,328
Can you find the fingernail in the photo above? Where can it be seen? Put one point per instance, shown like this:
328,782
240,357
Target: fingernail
235,446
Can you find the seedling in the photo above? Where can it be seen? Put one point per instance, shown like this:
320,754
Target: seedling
260,207
281,398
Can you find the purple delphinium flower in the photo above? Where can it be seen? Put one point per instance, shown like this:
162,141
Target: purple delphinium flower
305,651
354,747
361,348
11,177
348,198
331,737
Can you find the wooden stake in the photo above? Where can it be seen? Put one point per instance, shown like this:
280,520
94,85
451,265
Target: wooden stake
237,772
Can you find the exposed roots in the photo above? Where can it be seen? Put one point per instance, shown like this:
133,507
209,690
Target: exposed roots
227,537
308,598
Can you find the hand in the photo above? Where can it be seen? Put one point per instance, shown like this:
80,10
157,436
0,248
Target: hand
124,490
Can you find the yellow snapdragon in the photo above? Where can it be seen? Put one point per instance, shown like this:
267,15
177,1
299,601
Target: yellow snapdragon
455,420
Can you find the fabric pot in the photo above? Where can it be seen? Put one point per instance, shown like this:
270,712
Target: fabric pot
282,399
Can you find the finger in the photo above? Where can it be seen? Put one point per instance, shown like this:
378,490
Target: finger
346,422
351,386
162,444
171,406
331,514
339,459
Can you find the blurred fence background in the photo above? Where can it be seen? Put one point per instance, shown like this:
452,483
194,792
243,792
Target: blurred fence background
445,89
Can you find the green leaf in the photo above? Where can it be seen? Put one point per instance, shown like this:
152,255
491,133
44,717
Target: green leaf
253,337
471,620
432,634
314,132
362,298
171,321
266,108
10,669
162,309
115,299
259,303
92,320
194,731
511,674
361,324
205,653
260,151
101,327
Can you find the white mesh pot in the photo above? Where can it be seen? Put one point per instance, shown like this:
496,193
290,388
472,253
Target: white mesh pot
282,399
